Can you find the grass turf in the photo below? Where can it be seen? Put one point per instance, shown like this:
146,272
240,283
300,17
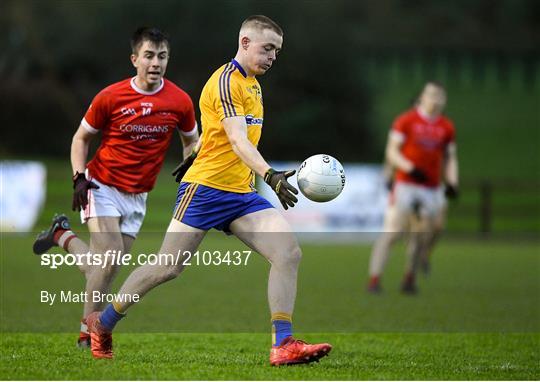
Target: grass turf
371,356
476,317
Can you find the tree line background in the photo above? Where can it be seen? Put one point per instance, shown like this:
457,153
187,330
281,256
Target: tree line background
321,94
346,70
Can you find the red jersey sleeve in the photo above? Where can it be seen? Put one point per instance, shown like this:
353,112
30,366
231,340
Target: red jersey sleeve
187,124
400,126
98,113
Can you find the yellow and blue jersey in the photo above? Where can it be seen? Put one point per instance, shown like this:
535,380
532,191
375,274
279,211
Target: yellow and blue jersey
228,93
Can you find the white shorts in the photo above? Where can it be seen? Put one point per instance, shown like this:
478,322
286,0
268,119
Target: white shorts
412,198
109,201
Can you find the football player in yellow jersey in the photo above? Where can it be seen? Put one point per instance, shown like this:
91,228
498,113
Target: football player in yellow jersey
217,192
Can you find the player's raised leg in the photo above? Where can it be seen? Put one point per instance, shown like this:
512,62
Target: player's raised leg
179,240
60,234
267,232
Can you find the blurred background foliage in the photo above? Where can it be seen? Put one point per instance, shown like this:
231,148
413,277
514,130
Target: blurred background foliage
346,70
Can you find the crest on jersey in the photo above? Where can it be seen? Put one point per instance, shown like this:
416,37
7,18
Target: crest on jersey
256,90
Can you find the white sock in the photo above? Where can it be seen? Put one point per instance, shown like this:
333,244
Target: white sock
84,328
65,238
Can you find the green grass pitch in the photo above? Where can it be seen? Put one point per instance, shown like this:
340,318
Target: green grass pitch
476,317
173,356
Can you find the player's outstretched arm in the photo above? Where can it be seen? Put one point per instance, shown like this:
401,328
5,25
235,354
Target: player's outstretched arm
236,130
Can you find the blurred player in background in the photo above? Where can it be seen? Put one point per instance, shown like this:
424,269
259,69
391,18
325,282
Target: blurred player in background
137,118
421,148
217,191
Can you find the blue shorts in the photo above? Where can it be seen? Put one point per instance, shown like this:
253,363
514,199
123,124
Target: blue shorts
206,207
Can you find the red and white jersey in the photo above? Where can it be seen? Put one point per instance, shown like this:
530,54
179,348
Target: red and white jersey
424,143
136,128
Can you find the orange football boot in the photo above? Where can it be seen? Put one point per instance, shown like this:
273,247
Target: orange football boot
101,339
292,351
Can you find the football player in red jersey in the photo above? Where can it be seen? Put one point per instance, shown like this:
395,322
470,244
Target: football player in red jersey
136,118
422,149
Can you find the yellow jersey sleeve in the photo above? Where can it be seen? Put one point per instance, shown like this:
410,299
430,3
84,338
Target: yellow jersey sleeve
229,101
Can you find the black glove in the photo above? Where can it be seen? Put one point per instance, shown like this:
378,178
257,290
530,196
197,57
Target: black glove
182,168
277,180
389,184
418,175
451,192
81,185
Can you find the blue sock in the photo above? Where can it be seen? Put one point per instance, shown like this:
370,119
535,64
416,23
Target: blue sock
110,317
280,330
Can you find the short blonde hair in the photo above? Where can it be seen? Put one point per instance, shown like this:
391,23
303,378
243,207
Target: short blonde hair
261,23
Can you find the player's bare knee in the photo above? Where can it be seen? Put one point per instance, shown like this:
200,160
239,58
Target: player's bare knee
289,256
295,255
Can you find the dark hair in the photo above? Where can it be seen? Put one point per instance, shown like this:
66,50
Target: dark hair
154,35
262,22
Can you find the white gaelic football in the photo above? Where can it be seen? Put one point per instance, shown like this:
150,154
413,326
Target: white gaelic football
321,178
